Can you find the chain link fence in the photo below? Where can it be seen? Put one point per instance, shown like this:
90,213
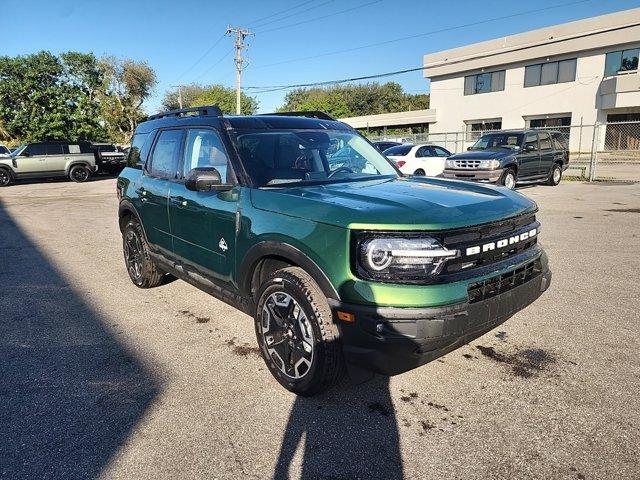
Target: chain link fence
602,151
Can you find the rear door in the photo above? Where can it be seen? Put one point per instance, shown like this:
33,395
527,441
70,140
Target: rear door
160,171
529,157
546,154
56,159
203,224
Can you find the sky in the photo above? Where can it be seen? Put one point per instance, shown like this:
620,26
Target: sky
294,41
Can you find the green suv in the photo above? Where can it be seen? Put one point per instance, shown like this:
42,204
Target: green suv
345,264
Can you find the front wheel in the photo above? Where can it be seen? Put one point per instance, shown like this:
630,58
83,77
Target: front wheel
508,179
79,173
297,337
5,177
555,176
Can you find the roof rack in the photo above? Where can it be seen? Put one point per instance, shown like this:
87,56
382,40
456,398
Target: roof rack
205,110
309,114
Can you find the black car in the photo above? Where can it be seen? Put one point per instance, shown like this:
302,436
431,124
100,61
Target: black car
108,158
384,144
512,156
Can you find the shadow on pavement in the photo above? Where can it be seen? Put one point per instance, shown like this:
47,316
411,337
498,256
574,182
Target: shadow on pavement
347,433
70,392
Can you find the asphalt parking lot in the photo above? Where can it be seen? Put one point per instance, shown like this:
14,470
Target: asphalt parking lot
101,379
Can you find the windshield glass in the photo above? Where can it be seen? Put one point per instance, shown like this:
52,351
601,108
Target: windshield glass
4,150
278,158
498,140
19,150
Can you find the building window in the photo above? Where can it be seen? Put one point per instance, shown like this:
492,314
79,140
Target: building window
550,73
475,128
484,82
621,61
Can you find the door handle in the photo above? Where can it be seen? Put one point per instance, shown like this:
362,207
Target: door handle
178,201
142,193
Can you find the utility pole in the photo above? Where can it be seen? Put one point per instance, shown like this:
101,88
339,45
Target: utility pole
179,87
241,63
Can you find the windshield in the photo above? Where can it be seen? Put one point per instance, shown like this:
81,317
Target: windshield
106,148
498,140
4,150
278,158
19,150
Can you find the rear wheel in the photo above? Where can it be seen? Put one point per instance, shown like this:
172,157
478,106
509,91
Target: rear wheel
142,270
419,172
555,176
297,337
508,179
79,173
5,177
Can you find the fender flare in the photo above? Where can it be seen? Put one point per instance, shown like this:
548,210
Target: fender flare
288,252
126,205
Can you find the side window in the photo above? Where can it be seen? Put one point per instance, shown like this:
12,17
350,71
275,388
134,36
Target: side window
164,160
204,148
36,149
137,154
74,148
531,140
441,152
558,141
423,152
53,149
545,141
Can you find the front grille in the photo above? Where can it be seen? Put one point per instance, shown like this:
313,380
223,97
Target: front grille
467,163
503,283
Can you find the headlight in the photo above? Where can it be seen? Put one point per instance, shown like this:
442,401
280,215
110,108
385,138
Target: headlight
491,164
450,164
402,257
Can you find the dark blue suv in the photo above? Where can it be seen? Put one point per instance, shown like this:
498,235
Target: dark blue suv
512,156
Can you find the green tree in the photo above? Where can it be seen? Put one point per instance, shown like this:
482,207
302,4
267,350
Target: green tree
354,100
189,94
225,99
126,84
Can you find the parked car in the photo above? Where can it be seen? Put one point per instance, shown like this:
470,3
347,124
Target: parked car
48,159
343,264
423,159
4,151
108,158
510,157
382,145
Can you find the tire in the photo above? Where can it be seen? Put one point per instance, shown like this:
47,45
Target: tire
6,177
419,172
317,362
555,175
79,173
508,179
142,270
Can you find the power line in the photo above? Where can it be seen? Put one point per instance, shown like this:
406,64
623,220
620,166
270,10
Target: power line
252,23
229,52
202,57
319,18
318,5
433,32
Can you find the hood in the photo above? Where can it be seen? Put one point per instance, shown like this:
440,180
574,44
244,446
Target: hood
484,154
402,204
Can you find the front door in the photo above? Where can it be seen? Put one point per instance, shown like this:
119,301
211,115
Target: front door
546,154
31,162
203,224
161,170
529,157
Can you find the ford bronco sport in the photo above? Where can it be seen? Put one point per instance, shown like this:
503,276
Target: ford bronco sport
344,264
48,159
512,156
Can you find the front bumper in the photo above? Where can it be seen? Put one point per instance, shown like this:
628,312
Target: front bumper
476,175
392,340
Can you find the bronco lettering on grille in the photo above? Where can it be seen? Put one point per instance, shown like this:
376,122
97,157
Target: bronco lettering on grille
475,250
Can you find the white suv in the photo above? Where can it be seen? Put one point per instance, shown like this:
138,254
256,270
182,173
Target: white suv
423,159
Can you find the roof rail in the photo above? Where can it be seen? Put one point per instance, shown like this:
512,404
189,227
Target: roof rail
205,110
309,114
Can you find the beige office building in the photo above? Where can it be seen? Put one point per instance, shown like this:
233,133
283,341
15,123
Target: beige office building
579,72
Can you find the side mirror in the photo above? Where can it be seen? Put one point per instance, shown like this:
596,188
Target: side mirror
25,154
205,179
529,148
469,149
